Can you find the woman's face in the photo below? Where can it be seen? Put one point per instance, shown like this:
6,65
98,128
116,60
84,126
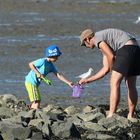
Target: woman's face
89,42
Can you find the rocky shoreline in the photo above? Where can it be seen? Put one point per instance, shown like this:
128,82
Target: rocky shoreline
53,122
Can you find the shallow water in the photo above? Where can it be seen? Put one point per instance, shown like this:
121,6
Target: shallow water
28,27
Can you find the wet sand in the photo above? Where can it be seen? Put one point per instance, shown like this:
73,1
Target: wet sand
28,27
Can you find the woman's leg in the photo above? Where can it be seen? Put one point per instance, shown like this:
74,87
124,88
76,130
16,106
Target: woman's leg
132,95
115,82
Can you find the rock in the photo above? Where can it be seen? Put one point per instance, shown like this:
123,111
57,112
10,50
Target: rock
91,117
8,100
37,123
56,117
6,113
21,105
26,116
71,110
76,120
55,123
48,108
46,130
37,136
30,114
88,109
97,117
99,110
65,130
1,138
53,109
122,112
134,120
99,136
43,115
14,119
114,122
12,131
94,126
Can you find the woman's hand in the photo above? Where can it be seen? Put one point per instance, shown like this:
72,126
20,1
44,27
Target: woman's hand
83,81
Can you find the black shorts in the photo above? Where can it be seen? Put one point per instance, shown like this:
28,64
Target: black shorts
127,61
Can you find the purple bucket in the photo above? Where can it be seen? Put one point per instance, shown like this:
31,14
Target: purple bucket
77,90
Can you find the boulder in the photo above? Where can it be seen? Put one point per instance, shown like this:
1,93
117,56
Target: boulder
8,100
71,110
11,131
99,136
6,112
94,126
114,122
65,130
88,109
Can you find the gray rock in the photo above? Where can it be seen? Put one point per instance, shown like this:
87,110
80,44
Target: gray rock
14,119
46,130
98,116
37,123
114,122
26,116
37,136
94,126
20,105
91,117
56,117
99,110
1,138
43,116
65,130
49,108
30,114
8,100
13,131
88,109
71,110
100,137
6,113
86,117
74,119
53,109
8,97
57,111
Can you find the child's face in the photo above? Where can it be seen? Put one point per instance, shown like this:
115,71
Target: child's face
53,59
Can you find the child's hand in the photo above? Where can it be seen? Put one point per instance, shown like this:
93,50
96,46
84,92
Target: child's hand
39,75
71,84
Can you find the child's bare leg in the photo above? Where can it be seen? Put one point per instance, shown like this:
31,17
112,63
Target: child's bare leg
115,82
35,105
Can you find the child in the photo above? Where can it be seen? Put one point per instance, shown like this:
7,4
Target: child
39,69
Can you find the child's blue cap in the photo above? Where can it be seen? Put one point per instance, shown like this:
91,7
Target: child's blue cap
52,51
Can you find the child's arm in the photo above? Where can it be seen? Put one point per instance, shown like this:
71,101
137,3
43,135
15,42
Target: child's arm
31,65
62,78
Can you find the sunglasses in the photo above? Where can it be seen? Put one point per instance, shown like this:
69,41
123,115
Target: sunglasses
86,40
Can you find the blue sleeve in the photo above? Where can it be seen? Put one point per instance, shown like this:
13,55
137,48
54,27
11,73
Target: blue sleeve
39,62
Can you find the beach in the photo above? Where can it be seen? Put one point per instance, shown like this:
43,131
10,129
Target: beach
28,27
